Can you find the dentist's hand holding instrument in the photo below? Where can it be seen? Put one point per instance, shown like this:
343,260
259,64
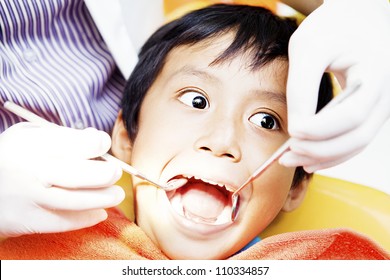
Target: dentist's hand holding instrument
47,182
61,187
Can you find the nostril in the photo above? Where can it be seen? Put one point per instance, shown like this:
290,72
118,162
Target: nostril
228,155
205,149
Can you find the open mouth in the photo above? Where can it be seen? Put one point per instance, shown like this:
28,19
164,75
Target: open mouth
202,201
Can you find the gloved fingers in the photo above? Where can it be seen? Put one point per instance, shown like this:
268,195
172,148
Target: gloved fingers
58,141
27,206
328,152
56,198
291,159
73,220
306,68
341,118
311,164
52,221
76,173
327,164
86,143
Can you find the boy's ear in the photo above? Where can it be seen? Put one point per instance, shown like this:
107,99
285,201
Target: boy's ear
296,195
121,144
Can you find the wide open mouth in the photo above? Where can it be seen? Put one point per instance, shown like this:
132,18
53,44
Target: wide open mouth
202,201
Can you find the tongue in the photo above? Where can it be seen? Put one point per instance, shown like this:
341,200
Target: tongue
203,201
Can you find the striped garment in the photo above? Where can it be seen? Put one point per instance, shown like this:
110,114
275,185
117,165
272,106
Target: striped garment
54,62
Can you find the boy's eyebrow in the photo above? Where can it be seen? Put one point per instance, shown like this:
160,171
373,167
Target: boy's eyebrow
273,96
189,70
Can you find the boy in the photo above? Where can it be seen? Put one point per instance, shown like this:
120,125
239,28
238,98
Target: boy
205,105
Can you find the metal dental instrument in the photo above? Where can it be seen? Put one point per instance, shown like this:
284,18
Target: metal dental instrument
33,118
131,170
279,152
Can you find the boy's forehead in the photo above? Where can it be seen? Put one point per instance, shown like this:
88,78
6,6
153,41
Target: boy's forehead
207,53
197,60
209,49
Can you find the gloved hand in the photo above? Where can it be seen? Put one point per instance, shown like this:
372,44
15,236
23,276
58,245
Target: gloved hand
350,38
47,182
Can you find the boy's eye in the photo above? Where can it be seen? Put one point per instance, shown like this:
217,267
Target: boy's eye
264,120
194,99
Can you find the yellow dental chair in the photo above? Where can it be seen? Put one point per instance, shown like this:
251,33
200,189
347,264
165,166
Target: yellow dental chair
176,8
334,203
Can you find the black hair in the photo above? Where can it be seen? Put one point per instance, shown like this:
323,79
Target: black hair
257,30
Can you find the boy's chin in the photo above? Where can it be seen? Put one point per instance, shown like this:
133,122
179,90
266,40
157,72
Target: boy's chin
196,250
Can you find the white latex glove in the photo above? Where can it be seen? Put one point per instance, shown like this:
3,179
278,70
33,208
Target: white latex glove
47,183
350,38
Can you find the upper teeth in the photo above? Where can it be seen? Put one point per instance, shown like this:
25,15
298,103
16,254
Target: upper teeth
210,182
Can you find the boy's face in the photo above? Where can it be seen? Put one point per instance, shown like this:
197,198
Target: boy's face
214,124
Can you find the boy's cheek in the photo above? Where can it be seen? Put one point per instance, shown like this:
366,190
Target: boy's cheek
269,195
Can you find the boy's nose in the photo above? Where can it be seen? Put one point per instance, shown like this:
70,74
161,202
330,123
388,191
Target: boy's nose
220,141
